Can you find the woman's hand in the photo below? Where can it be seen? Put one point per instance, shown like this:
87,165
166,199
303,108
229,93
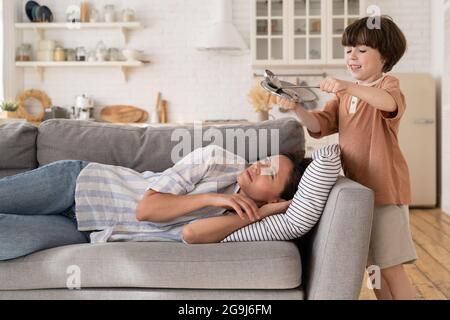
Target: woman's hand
333,85
274,208
245,207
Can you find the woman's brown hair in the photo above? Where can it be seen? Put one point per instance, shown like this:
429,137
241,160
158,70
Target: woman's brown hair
388,39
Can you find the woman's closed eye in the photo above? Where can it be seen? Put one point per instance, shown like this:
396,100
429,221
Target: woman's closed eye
268,169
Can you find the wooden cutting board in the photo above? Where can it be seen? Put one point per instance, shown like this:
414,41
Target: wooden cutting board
123,114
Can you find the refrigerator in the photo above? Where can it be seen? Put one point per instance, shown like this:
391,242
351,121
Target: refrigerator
418,136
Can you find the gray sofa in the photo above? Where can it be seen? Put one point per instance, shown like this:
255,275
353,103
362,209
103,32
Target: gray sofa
327,263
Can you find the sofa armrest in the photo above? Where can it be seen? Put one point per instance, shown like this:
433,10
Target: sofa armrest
335,252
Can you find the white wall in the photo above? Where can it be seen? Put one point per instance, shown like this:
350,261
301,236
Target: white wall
414,18
12,81
198,85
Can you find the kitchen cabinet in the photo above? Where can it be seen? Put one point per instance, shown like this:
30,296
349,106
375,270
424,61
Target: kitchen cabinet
300,32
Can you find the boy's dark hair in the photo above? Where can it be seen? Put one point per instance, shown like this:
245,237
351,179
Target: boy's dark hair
388,39
298,169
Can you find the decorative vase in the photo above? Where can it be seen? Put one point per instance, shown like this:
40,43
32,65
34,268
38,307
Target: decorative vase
11,115
263,116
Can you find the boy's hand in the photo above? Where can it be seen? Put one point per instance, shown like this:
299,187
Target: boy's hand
274,208
333,85
286,103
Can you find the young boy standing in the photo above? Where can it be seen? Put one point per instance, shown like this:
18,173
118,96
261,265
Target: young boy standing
367,116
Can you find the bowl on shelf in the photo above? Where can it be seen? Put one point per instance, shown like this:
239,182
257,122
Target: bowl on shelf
132,55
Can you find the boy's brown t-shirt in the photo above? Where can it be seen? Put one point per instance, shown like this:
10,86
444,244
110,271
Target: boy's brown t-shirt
371,153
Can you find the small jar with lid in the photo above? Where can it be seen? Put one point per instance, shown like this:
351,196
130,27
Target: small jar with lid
110,13
24,52
81,54
59,54
71,55
92,56
113,54
128,15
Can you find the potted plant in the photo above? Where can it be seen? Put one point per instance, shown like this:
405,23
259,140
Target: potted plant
9,108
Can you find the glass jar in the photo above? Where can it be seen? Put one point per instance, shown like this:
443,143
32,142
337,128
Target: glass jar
110,13
113,54
81,54
71,55
24,52
92,56
94,15
101,52
128,15
59,54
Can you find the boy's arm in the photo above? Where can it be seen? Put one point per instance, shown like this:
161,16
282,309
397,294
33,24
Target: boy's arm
305,118
215,229
319,123
378,98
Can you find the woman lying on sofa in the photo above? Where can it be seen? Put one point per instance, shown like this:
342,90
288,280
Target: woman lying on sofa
204,197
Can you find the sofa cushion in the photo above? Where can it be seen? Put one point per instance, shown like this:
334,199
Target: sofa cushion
257,265
150,148
17,147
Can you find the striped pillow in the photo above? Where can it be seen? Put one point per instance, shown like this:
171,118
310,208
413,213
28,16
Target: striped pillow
306,207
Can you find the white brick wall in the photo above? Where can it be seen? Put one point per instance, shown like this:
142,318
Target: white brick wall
414,18
198,85
445,179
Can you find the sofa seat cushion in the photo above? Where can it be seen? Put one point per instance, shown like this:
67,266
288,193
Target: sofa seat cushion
254,265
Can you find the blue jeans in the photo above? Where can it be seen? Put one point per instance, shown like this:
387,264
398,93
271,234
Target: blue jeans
37,210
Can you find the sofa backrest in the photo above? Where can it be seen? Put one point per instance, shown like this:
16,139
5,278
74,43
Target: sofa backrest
17,148
150,148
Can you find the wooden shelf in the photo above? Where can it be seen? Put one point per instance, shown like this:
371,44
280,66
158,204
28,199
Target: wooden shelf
40,66
78,26
41,27
48,64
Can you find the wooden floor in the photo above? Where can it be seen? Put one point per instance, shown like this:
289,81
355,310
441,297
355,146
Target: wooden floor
430,275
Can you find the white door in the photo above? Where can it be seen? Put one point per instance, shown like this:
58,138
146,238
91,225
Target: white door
418,136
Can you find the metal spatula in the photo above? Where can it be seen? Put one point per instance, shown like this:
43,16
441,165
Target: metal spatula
273,81
287,90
